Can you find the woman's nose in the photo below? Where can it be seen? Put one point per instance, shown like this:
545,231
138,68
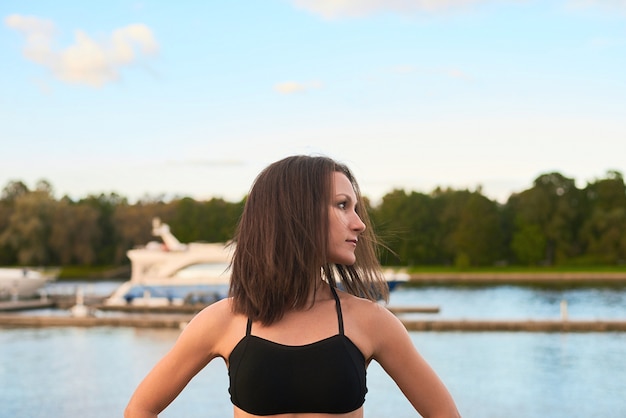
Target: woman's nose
357,223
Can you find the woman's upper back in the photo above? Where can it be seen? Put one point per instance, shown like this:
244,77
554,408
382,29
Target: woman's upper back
219,330
324,376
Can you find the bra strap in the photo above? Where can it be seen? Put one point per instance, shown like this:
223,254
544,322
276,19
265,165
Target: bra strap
339,314
249,327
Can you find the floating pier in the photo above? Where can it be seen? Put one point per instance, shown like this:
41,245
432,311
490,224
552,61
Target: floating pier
179,321
177,316
397,310
473,325
133,321
23,305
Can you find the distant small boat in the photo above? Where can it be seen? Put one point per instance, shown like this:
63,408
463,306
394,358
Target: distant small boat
395,278
17,283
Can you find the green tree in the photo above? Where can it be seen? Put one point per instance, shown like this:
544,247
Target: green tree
606,236
449,205
13,190
604,230
477,239
187,220
405,225
213,220
28,229
105,205
529,244
607,193
133,227
74,233
554,205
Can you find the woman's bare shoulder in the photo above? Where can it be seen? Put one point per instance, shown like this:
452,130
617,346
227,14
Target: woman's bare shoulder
364,309
219,313
367,323
217,318
216,328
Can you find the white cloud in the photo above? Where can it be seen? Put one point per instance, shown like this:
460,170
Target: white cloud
291,87
609,6
356,8
86,61
331,9
617,4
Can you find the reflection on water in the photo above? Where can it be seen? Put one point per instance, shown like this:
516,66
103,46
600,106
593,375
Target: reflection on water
91,372
509,302
531,374
74,372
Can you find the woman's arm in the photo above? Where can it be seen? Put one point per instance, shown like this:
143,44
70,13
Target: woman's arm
197,345
395,352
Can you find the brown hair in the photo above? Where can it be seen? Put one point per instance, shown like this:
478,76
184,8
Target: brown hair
281,241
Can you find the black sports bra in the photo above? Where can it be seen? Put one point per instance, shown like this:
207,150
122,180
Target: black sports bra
327,376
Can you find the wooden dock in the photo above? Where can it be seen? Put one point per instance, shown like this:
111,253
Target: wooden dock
190,309
132,321
179,321
546,325
177,317
24,305
398,310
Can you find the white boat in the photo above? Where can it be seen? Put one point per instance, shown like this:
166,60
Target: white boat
22,283
169,271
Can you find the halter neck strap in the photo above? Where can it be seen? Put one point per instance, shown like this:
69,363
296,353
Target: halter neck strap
338,305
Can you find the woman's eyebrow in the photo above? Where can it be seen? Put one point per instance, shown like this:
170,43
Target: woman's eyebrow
344,196
348,198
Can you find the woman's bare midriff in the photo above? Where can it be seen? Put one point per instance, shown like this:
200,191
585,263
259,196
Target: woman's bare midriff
238,413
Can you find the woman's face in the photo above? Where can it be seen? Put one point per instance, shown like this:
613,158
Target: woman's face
345,225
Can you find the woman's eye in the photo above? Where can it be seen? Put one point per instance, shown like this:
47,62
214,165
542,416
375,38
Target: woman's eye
342,205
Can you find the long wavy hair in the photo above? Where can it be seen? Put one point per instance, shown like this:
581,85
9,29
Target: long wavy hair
282,241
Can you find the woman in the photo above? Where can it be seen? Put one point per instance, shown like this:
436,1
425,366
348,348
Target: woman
295,345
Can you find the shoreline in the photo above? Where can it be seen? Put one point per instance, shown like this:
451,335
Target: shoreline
518,278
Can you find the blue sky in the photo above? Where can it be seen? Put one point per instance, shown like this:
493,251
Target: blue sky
194,98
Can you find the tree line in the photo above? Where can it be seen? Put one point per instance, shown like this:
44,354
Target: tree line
552,223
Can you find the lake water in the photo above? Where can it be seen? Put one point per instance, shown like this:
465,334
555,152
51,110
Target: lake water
91,372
